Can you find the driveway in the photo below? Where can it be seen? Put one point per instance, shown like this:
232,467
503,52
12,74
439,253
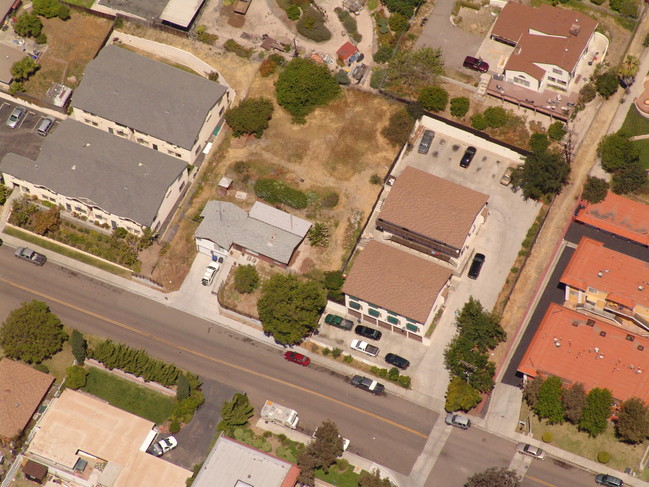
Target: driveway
23,139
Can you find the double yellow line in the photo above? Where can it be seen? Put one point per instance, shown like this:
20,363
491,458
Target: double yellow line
211,359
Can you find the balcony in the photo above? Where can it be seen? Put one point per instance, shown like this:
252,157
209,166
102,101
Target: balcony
627,313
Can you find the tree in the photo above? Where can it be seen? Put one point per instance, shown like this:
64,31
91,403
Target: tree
549,405
246,279
79,346
629,178
433,98
235,413
463,360
596,411
51,8
459,106
333,282
607,84
23,69
543,174
539,142
306,463
46,222
398,128
289,309
342,78
494,477
478,122
303,86
616,151
318,235
32,333
251,116
595,190
460,396
556,130
398,23
532,390
75,377
496,117
328,445
383,54
373,479
182,387
293,12
28,25
479,326
404,7
415,69
633,421
574,400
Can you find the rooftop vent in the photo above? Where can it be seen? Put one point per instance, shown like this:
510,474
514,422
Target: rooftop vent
641,347
602,333
640,287
590,322
600,274
630,338
575,323
74,167
574,29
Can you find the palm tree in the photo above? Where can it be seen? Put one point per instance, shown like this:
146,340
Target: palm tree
628,70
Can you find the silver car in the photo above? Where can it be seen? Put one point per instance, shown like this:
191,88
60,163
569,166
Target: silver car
529,450
15,117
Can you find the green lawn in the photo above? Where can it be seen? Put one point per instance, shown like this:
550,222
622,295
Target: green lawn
61,361
643,147
82,3
634,123
344,479
128,396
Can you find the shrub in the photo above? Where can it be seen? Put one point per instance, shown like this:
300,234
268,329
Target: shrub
459,106
267,68
311,25
399,128
293,12
75,377
174,427
348,359
378,77
277,59
607,84
336,352
433,98
415,110
645,43
383,373
496,117
478,122
275,192
326,351
405,381
539,142
342,78
393,374
342,464
376,179
556,131
587,93
318,235
349,23
246,279
234,47
330,200
547,437
251,116
41,367
603,457
398,23
384,54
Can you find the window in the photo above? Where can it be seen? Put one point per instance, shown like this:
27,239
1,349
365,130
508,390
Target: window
87,120
140,140
550,78
522,82
354,305
221,111
155,146
95,124
110,130
557,71
121,133
412,328
592,290
393,320
373,312
25,189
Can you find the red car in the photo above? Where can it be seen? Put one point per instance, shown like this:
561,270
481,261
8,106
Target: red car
298,358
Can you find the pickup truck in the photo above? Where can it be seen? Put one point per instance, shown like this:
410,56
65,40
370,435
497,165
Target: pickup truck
210,272
365,348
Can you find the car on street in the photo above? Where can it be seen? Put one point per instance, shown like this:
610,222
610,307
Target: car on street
426,141
457,420
469,153
367,332
368,385
529,450
15,117
475,64
397,361
338,322
476,266
608,480
297,358
30,255
164,445
507,177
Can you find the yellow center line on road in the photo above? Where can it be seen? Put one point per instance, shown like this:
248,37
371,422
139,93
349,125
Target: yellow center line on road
212,359
539,481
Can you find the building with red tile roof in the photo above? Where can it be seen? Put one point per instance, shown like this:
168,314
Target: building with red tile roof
346,51
576,348
607,282
549,43
395,289
432,215
617,215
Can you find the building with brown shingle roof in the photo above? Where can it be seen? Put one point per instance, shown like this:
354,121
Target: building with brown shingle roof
394,289
432,215
22,388
549,42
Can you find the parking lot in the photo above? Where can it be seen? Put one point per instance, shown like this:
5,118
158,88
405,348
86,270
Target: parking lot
23,139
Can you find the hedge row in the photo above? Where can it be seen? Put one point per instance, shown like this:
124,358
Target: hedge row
276,192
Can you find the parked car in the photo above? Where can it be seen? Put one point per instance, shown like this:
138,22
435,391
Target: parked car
30,255
164,445
507,177
397,361
15,117
458,421
368,385
476,266
426,141
339,322
297,358
210,272
367,332
468,156
476,64
45,126
532,451
608,480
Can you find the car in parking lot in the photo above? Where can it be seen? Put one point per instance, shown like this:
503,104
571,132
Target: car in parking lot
475,64
367,332
458,421
397,361
338,322
45,126
426,141
30,255
608,480
164,445
529,450
368,385
15,117
469,153
297,358
507,177
476,266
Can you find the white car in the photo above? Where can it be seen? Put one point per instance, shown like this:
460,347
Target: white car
210,272
164,445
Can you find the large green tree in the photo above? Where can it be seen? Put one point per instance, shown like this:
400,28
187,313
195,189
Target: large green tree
574,400
542,174
607,83
480,326
596,411
629,178
415,69
79,346
289,309
328,445
532,390
32,333
617,151
494,477
433,98
23,69
235,413
463,360
460,396
373,479
303,86
633,421
251,116
51,8
595,190
28,25
548,404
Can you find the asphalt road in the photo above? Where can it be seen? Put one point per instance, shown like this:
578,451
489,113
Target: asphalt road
553,472
373,424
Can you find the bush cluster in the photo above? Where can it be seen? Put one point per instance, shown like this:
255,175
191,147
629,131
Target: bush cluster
349,23
247,436
276,192
234,47
311,25
392,375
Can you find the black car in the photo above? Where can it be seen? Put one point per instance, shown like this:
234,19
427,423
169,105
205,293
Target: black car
367,332
468,156
426,140
368,385
397,361
476,266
